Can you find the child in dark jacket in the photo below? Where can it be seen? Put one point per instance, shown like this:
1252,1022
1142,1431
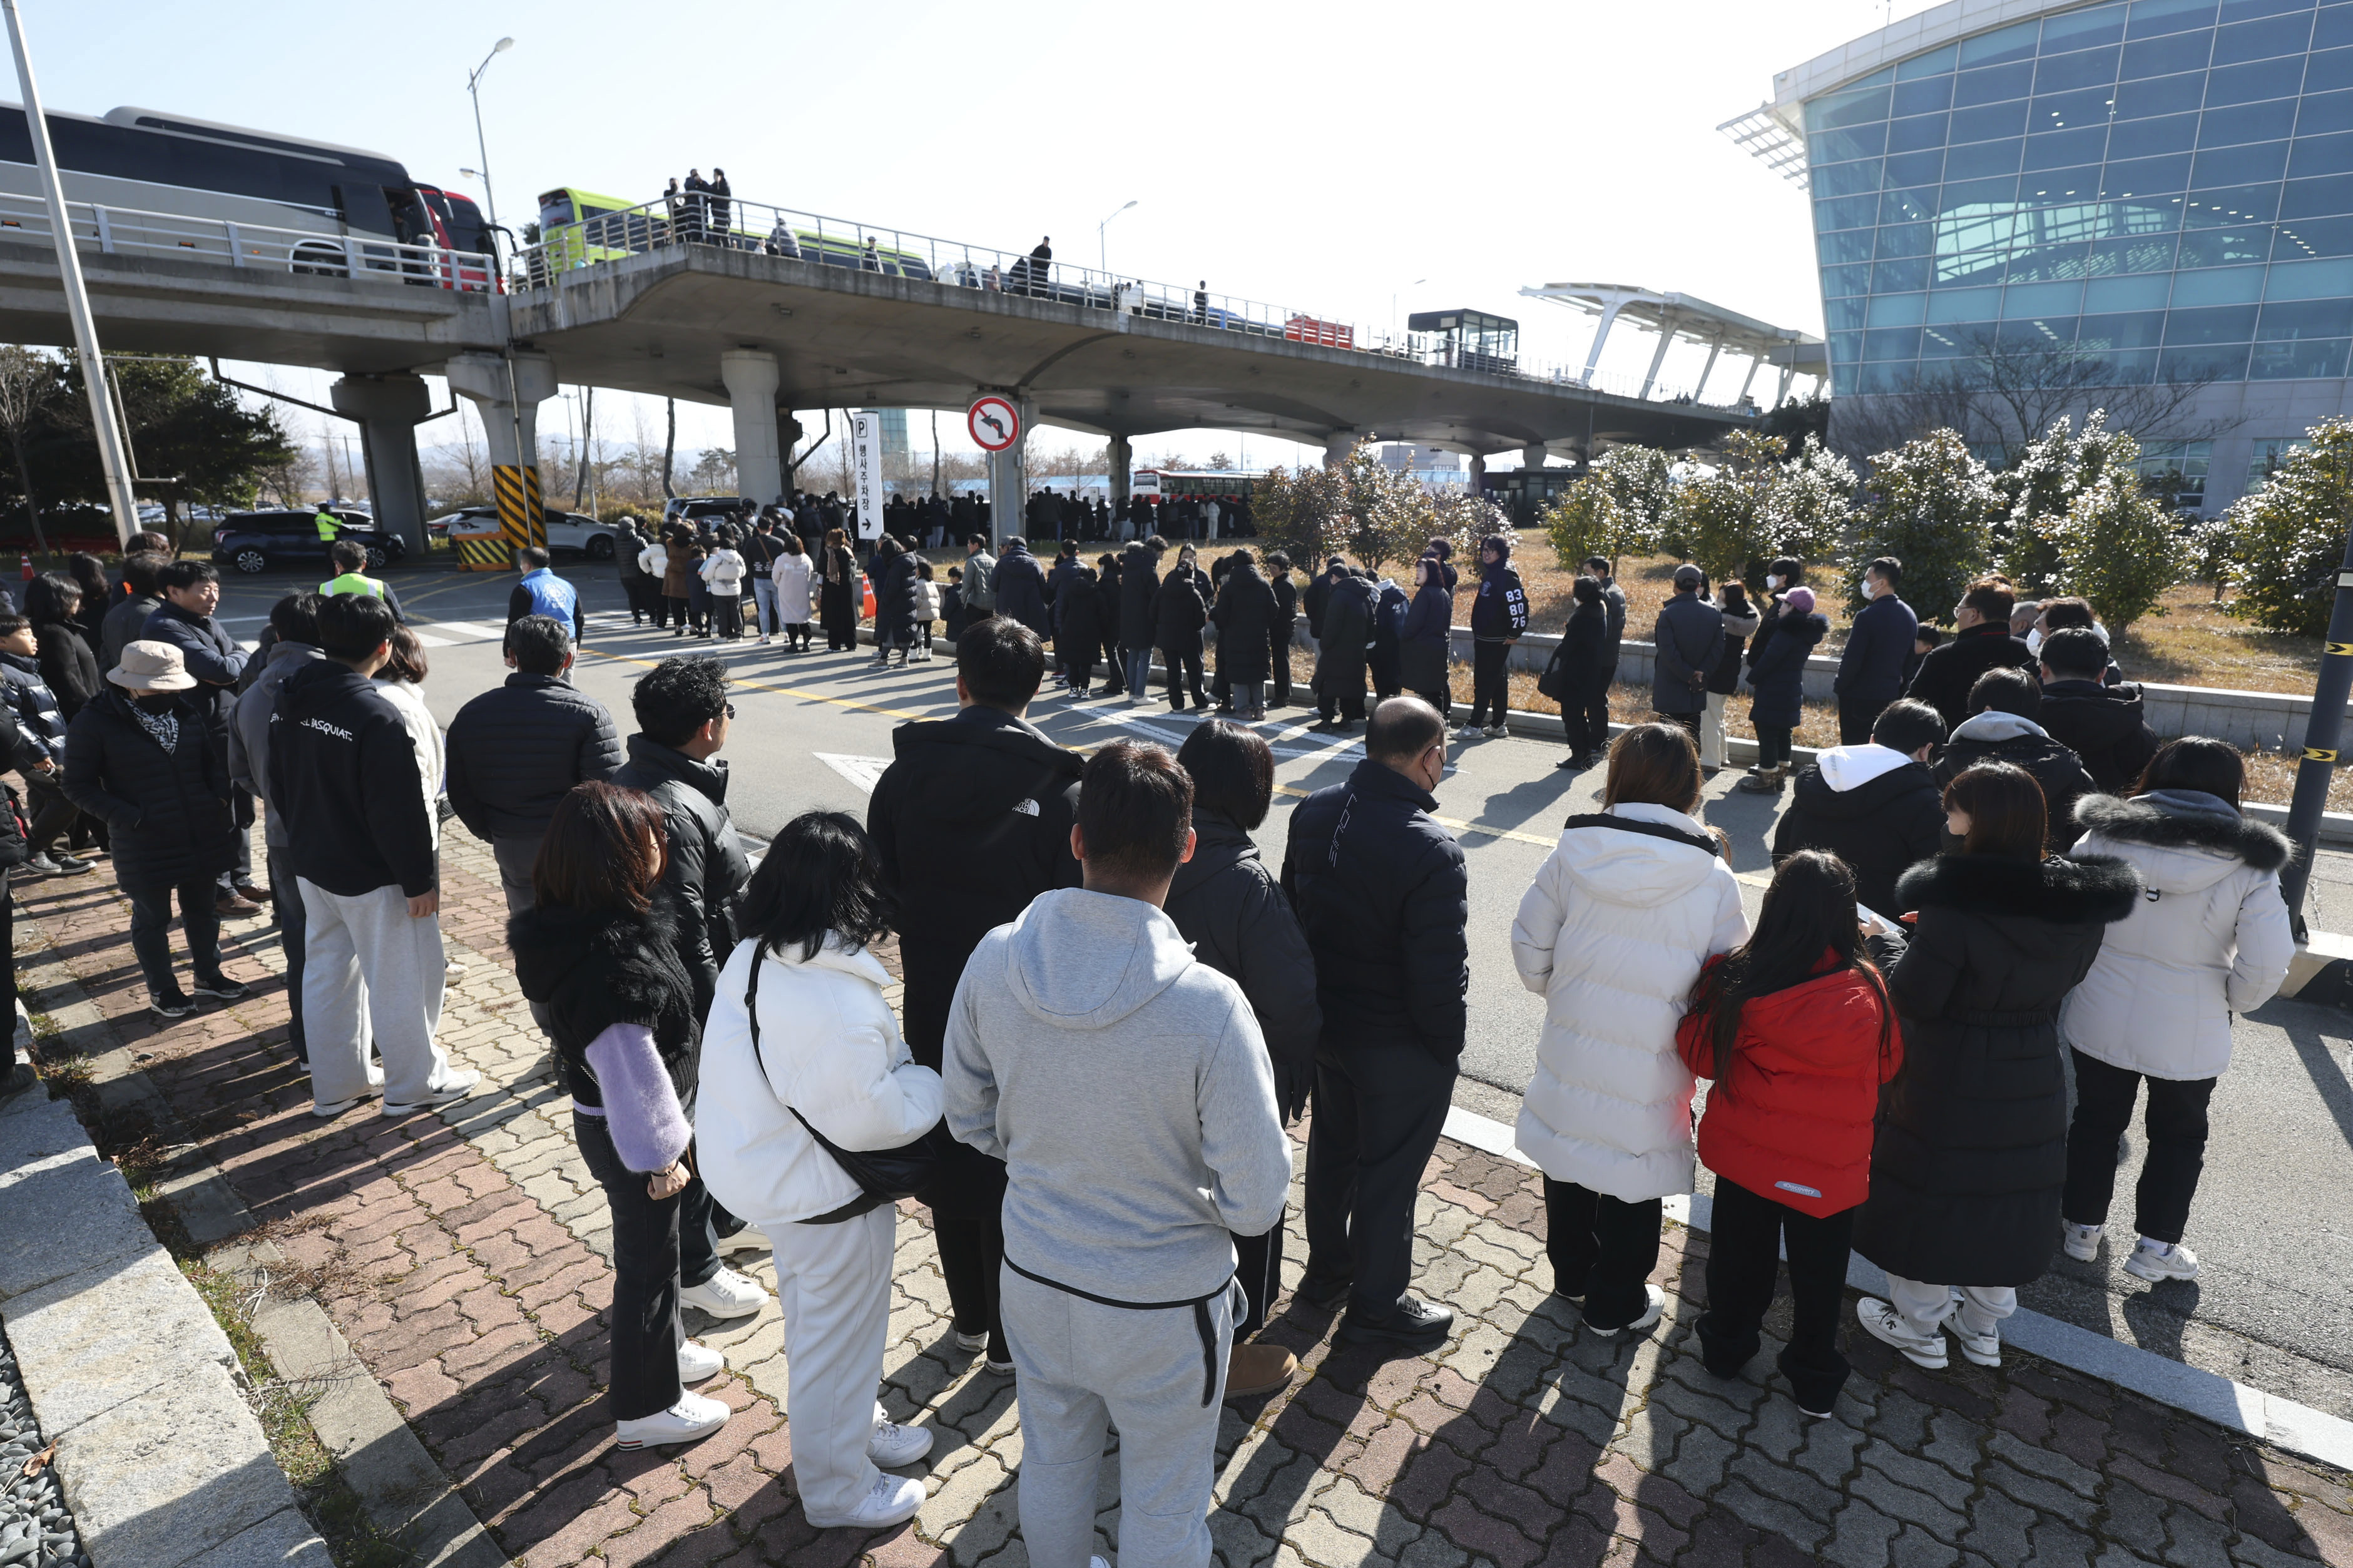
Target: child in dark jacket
1796,1028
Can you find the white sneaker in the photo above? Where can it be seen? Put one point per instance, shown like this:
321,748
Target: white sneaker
692,1418
458,1086
696,1363
1984,1349
894,1499
726,1294
337,1107
1883,1323
1650,1314
748,1240
892,1446
2079,1242
2157,1260
972,1344
1498,732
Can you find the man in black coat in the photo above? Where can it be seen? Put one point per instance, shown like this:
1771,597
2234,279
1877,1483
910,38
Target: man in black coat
1139,579
191,593
682,720
1244,616
127,620
1319,593
1875,805
1020,587
1384,895
1870,669
2100,723
1689,638
1340,647
1279,630
1982,642
2004,708
1179,610
972,820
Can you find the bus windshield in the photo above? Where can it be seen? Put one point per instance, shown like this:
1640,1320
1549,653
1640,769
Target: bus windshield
555,210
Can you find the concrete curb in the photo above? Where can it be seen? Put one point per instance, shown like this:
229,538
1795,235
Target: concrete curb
2285,1424
406,1497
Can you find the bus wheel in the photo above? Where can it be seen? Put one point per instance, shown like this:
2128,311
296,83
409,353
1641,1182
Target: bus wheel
316,259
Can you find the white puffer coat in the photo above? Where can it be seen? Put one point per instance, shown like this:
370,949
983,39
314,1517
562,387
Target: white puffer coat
791,576
1612,934
2208,938
833,1052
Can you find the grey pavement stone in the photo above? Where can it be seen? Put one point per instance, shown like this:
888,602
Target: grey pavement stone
1650,1436
1726,1420
1702,1460
92,1340
1829,1449
1779,1432
1956,1443
1770,1514
2135,1517
1901,1420
1357,1513
1861,1536
1917,1549
67,1210
170,1474
2058,1546
1918,1475
1916,1508
2042,1462
2198,1541
1319,1540
1432,1549
2031,1489
284,1540
1794,1488
1998,1529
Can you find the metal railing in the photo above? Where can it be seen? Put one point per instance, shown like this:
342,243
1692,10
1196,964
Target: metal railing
733,224
105,230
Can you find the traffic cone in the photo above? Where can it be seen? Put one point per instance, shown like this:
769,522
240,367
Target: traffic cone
25,564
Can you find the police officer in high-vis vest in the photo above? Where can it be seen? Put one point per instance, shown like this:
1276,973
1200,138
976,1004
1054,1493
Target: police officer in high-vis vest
349,555
542,593
330,528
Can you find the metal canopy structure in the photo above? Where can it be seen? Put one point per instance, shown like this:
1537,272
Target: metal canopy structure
1692,320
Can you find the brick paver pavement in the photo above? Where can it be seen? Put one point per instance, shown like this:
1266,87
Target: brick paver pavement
464,1256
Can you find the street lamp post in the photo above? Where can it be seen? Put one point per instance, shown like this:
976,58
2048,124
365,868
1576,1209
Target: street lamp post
1102,251
474,87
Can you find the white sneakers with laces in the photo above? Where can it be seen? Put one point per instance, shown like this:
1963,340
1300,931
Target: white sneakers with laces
1883,1323
697,1362
893,1445
724,1294
2079,1242
692,1418
894,1500
2155,1260
458,1085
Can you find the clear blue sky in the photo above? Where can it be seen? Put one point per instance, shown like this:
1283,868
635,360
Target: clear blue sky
1310,155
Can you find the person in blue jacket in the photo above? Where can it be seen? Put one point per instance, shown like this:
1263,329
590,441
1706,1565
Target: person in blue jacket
542,593
1878,648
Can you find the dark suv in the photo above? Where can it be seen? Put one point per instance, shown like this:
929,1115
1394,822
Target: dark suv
257,541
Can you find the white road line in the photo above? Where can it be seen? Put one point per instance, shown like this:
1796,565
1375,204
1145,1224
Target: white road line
465,631
863,771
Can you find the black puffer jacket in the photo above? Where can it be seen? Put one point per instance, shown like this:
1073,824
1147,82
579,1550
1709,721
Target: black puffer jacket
1384,895
972,820
1970,1151
515,750
168,811
594,968
1245,619
1020,588
68,665
1881,827
1139,579
1179,613
1342,645
1992,737
706,867
894,602
1078,615
1951,668
1227,904
2101,724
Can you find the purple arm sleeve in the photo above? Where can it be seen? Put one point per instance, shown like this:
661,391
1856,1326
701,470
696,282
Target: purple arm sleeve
642,1109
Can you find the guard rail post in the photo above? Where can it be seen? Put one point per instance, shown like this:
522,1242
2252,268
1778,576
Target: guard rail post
2323,730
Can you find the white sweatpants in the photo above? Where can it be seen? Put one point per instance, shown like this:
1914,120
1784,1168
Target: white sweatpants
833,1283
371,976
1925,1307
1084,1365
1711,729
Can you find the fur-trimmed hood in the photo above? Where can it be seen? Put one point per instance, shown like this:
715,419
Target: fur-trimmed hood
2182,820
2098,888
600,967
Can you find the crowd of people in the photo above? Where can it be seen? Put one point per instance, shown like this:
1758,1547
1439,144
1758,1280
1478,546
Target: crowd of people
1114,1007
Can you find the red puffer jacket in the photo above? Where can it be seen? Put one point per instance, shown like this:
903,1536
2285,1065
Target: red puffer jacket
1793,1121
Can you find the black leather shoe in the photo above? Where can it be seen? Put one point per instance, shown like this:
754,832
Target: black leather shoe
1323,1290
1414,1323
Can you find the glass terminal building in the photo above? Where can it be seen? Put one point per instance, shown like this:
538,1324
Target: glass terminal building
2163,186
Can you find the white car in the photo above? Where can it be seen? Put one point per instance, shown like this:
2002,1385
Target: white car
573,532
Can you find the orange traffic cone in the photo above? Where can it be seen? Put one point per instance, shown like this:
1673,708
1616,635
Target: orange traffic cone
25,564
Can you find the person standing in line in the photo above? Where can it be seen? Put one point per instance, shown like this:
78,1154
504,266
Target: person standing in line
295,620
94,594
629,544
16,1075
1126,1087
979,578
1279,631
401,681
1690,640
1385,662
1778,677
2210,941
894,571
1579,676
138,757
1139,581
760,549
1078,628
1383,893
1499,617
349,558
1020,587
1425,641
2001,728
540,592
1876,806
802,1043
723,576
1784,574
1108,597
1796,1028
1230,908
1244,616
1613,604
1740,620
1179,613
1970,1156
791,577
2101,722
40,722
360,839
1623,916
1871,668
927,608
185,619
126,619
700,542
972,820
1341,647
839,592
1980,642
676,570
53,603
598,958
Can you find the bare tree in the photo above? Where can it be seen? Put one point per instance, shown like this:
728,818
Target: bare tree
669,446
2007,395
27,381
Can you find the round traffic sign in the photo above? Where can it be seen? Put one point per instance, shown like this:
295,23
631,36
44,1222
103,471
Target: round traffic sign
995,424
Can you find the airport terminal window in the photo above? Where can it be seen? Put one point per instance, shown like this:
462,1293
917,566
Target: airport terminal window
2177,467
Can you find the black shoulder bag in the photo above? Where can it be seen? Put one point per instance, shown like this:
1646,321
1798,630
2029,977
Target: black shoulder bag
883,1175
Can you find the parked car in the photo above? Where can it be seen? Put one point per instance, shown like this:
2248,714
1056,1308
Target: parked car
257,541
566,530
695,508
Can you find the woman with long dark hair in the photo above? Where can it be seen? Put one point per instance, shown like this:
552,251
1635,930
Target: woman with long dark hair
1424,642
894,601
1971,1155
803,1046
598,951
2211,940
838,593
98,596
1795,1028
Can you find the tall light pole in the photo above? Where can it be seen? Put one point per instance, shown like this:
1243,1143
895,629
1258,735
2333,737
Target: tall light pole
114,458
1102,251
473,86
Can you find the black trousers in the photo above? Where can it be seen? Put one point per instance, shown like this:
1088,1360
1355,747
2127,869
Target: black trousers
150,930
968,1204
2176,1123
1258,1264
1278,649
1378,1112
1742,1260
1855,720
1443,700
1603,1249
1687,721
294,924
52,813
1773,745
1190,675
8,984
1585,719
1490,687
646,1247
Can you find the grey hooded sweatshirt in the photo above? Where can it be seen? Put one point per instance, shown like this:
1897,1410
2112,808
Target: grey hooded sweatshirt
1126,1089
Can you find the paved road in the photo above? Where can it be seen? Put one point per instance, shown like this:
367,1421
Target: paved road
2273,1306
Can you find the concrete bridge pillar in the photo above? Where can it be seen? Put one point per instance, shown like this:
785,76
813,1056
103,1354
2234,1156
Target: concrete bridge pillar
751,380
1337,447
1122,466
1008,481
1478,471
1531,456
506,392
389,408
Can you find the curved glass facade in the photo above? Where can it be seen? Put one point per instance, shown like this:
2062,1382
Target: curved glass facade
2164,184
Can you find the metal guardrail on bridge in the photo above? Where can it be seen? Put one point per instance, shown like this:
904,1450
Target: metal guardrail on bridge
731,222
103,230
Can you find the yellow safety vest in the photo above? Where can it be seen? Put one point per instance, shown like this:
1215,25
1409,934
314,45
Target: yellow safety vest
351,583
327,527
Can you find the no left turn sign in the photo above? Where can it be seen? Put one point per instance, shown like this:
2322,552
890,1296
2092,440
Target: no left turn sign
993,424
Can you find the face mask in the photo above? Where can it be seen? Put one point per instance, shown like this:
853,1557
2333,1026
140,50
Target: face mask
1772,581
2034,639
1867,589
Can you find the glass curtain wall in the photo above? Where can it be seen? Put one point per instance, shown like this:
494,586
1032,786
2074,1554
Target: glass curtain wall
2164,185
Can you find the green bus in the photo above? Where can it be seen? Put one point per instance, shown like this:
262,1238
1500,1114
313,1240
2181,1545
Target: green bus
579,227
